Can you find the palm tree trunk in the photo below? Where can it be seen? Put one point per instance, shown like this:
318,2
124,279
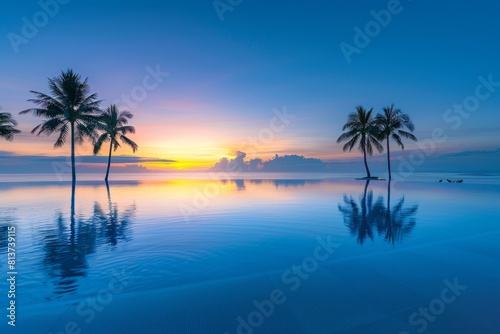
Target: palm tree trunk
389,194
73,169
389,159
109,161
366,164
72,214
73,184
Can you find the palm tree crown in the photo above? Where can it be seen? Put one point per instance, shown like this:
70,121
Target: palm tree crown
391,126
113,124
363,131
8,126
68,110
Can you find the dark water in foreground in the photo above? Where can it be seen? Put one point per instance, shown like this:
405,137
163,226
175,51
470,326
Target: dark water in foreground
252,256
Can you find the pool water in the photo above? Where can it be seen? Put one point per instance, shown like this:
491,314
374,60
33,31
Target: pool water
252,256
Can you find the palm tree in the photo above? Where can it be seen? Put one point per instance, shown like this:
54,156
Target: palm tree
361,128
391,125
69,109
7,126
113,123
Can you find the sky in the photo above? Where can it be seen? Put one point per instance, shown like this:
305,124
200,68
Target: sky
206,78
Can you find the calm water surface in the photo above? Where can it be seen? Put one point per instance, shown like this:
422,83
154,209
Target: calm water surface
253,256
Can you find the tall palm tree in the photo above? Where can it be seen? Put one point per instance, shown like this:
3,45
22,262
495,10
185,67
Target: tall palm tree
391,125
8,126
68,109
362,130
113,123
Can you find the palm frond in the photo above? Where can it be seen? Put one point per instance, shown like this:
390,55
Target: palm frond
125,129
8,126
130,143
407,135
49,127
103,138
362,126
392,123
63,135
398,140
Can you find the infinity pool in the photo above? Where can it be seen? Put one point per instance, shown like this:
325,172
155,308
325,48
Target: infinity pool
252,256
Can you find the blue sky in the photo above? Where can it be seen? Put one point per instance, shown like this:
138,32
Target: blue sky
226,76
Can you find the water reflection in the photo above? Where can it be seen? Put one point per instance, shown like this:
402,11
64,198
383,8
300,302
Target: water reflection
294,183
371,215
112,225
398,221
285,183
67,244
240,184
7,221
66,249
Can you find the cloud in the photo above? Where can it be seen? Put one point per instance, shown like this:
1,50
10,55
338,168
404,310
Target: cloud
286,163
476,153
12,163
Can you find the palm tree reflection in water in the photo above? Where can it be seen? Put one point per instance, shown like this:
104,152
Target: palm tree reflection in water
113,225
8,221
66,248
372,214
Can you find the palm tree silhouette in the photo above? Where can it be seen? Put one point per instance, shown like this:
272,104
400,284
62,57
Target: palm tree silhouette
70,109
361,128
391,125
113,123
8,126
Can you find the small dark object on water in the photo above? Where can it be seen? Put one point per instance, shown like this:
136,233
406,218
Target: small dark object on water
453,181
